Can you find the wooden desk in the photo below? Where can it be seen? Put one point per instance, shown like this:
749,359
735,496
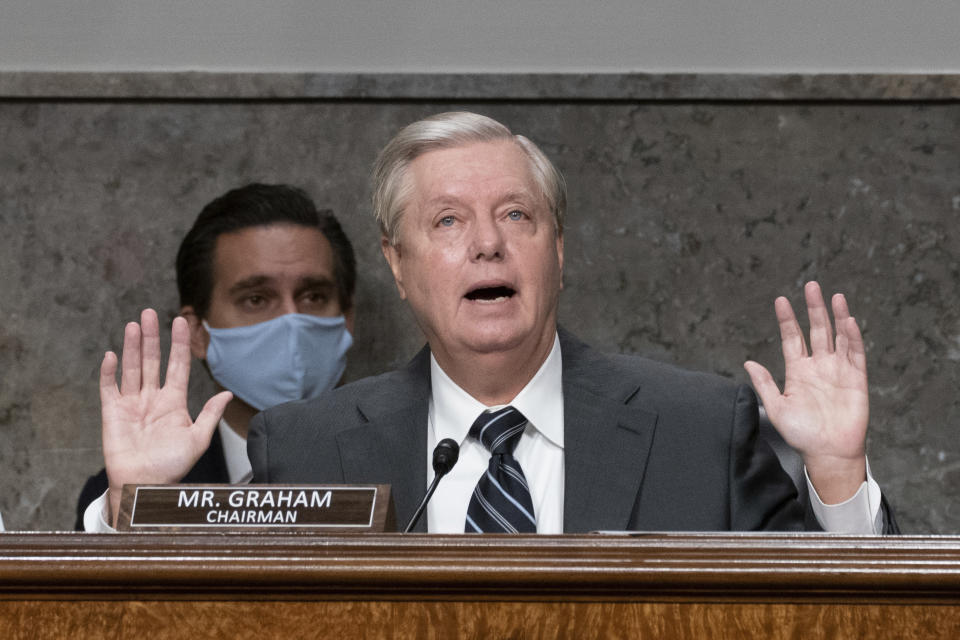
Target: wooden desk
398,586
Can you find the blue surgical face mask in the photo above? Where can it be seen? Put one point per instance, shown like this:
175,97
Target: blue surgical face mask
291,357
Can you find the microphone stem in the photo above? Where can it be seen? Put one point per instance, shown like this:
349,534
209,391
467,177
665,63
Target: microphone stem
423,503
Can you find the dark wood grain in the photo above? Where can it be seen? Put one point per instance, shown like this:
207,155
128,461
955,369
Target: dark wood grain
445,620
354,586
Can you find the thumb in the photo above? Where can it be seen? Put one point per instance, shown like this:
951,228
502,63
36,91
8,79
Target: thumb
764,385
210,416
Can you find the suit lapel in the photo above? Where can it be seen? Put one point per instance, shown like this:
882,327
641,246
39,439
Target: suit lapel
606,441
390,447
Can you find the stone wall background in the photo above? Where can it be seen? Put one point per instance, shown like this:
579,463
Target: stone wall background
687,218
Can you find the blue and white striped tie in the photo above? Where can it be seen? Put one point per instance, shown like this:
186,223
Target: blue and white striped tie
501,501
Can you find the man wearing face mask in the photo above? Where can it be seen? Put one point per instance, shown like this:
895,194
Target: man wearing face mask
266,284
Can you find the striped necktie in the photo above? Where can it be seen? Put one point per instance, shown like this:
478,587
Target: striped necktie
501,501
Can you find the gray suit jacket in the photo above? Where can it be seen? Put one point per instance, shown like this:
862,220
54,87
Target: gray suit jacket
647,446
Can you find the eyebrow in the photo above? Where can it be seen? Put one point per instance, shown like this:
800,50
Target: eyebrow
522,195
442,200
312,282
250,283
307,282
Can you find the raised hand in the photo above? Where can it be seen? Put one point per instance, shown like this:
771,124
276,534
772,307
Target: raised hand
148,436
824,408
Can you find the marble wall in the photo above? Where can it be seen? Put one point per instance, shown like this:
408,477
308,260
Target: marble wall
688,216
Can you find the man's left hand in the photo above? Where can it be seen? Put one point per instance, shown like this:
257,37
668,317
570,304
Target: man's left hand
824,407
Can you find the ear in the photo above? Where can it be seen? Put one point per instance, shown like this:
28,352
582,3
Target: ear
348,318
199,338
392,254
560,257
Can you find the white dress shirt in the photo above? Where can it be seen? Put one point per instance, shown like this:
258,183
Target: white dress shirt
540,450
452,411
239,471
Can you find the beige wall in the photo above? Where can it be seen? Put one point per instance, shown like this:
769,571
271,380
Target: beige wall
492,36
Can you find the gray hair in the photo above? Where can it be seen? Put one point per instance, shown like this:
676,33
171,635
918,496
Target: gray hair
391,189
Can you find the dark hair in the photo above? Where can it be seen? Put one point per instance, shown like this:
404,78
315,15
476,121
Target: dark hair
256,205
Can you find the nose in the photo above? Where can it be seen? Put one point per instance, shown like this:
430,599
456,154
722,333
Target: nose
288,305
488,241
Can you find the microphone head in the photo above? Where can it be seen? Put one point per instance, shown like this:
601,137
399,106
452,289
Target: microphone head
445,455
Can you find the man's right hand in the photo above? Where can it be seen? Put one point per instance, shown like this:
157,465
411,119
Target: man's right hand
148,436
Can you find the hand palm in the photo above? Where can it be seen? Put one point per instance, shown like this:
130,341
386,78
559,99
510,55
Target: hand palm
824,408
148,436
824,405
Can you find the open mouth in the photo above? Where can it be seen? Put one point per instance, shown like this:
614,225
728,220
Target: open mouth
490,294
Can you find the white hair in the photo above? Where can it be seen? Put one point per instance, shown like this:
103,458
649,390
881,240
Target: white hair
391,188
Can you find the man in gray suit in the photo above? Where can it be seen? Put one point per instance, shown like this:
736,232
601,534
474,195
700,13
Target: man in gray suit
472,227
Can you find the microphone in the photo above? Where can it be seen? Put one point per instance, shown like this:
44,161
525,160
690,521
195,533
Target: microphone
445,455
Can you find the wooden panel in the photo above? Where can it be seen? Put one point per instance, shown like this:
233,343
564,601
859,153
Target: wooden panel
441,620
419,586
682,566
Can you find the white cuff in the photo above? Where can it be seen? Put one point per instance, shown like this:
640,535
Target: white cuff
858,514
95,516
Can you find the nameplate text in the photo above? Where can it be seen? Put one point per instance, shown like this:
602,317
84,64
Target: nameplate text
233,507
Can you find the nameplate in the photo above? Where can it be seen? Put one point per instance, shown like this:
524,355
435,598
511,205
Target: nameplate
221,507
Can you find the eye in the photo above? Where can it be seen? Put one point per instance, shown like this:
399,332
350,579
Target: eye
516,215
254,301
315,297
446,221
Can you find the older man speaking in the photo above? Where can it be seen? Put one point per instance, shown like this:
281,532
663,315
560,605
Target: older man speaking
554,435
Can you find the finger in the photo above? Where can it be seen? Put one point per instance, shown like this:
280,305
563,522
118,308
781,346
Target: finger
150,327
840,310
791,337
821,333
130,376
840,315
850,343
108,379
764,385
178,367
210,416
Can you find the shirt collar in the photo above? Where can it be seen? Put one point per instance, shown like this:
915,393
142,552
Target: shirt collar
540,401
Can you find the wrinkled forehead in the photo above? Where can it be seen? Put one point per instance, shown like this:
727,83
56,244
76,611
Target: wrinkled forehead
489,171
